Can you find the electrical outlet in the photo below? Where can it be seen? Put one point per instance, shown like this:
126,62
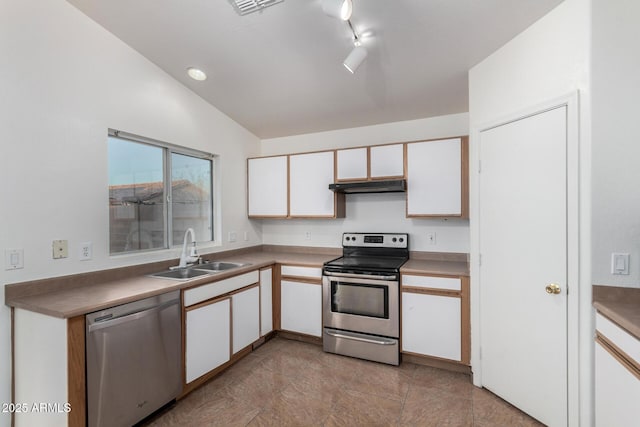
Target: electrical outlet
431,238
60,249
307,235
86,251
233,236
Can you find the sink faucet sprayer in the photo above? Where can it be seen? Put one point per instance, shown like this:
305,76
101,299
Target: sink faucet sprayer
193,253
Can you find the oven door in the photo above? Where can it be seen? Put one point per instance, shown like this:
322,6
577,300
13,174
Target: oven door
354,303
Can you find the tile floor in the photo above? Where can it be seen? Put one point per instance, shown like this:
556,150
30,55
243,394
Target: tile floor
290,383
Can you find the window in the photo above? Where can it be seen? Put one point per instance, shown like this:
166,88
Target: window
156,192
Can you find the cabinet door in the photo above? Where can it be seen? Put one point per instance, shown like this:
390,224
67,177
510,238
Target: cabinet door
267,187
310,176
387,161
435,178
208,330
266,306
301,307
351,164
431,325
617,392
246,318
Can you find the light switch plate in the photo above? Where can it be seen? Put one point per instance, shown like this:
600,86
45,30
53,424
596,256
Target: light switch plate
619,264
13,259
60,249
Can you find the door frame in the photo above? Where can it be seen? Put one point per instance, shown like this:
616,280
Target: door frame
571,102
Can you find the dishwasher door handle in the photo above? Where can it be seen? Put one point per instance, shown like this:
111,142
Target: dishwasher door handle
113,321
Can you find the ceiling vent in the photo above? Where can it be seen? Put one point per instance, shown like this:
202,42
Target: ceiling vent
244,7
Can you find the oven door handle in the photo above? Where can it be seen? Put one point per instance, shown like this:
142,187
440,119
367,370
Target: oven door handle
359,276
379,341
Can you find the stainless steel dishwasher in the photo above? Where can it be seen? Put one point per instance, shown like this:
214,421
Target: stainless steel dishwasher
134,359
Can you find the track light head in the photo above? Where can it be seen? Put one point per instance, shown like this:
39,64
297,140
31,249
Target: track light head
338,8
355,58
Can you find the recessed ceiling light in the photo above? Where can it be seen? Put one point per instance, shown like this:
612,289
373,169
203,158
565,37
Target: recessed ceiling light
196,74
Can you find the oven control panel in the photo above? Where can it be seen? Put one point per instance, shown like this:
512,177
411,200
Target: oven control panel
376,240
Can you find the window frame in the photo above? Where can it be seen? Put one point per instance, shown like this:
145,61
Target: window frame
167,150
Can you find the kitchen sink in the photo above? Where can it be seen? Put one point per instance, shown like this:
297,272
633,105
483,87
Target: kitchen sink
215,266
180,274
196,270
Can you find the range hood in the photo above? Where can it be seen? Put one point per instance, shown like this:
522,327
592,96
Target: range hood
389,186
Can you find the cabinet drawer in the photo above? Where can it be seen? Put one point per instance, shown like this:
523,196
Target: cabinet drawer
295,271
205,292
431,282
619,337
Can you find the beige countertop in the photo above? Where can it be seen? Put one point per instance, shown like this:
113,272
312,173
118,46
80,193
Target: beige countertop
440,267
621,305
76,295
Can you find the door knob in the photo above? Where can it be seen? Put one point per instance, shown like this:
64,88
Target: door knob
552,288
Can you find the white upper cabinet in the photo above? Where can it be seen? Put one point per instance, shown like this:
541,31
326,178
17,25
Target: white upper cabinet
309,178
352,164
376,162
387,161
437,178
267,187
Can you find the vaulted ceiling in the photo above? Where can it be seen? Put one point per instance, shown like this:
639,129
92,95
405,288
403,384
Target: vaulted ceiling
279,71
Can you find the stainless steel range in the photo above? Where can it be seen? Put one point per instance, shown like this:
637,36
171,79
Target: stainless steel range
361,297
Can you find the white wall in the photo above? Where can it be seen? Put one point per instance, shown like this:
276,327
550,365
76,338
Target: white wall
64,81
548,60
370,212
616,151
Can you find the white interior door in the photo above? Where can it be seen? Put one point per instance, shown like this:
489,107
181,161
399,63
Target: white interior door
523,248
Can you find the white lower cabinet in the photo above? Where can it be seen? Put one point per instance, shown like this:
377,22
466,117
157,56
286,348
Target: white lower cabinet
208,338
431,325
266,301
245,309
617,392
617,378
301,307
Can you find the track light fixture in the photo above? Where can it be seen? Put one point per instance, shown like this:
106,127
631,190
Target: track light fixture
342,9
357,55
355,58
338,8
